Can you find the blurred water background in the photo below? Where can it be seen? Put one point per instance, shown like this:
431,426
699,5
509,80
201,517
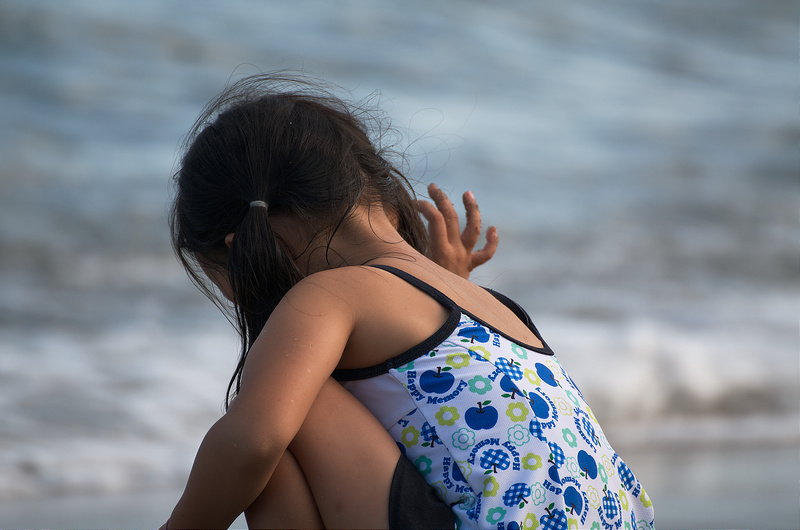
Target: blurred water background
638,156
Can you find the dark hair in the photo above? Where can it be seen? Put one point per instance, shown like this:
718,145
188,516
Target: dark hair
288,141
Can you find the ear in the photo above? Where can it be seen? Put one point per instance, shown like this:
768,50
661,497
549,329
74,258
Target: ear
229,239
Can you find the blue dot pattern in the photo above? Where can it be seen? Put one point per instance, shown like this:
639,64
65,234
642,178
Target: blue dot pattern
511,438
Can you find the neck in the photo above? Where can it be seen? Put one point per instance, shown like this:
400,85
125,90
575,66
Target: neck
367,235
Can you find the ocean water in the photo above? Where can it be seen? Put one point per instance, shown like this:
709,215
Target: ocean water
638,157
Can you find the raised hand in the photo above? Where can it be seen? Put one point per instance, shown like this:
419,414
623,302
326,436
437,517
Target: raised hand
449,248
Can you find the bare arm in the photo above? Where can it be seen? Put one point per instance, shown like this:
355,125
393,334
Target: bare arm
449,248
287,366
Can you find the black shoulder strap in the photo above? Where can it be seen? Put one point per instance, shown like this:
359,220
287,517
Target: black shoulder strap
519,311
450,304
513,306
428,289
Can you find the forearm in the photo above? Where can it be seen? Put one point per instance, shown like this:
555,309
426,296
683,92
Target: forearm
293,357
229,472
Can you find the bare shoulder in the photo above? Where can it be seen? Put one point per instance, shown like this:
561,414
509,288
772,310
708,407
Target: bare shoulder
342,289
313,321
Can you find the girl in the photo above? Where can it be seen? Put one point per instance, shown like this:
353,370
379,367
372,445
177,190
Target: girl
288,208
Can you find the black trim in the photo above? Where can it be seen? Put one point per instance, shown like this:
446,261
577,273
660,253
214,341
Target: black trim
428,289
354,374
512,305
523,316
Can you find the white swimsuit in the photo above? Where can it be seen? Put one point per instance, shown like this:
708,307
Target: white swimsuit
499,429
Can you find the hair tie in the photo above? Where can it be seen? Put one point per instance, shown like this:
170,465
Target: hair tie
259,204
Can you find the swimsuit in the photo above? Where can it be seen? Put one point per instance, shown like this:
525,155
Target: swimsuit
499,429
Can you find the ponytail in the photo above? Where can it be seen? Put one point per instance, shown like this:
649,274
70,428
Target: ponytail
260,274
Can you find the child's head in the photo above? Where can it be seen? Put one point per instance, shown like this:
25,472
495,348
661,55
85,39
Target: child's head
290,143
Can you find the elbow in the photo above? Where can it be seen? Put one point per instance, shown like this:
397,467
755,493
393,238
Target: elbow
251,453
254,437
256,456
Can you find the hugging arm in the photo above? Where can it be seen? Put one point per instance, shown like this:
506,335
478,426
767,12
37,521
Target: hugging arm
286,376
449,248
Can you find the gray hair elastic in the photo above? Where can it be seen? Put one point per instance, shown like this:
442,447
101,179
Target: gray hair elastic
259,204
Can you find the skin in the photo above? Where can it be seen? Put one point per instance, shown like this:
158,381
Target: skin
449,249
344,317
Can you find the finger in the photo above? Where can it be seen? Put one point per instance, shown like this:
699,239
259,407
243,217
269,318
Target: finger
436,225
472,230
447,210
479,257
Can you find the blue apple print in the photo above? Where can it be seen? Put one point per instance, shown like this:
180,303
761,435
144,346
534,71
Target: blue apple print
628,480
610,506
586,427
513,525
535,428
508,385
494,459
437,382
573,500
556,454
517,495
475,333
481,417
587,464
555,519
553,474
545,374
540,407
